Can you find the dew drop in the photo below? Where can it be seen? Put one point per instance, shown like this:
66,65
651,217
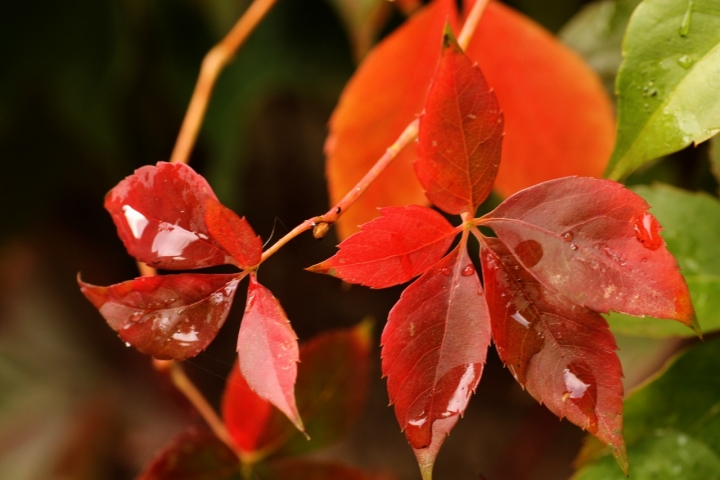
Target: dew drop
445,271
573,247
685,62
127,344
647,232
135,317
568,236
467,271
685,24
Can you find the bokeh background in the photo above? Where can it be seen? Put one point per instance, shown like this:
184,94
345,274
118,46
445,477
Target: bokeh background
91,90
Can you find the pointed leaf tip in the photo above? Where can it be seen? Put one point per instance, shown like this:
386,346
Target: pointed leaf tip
449,39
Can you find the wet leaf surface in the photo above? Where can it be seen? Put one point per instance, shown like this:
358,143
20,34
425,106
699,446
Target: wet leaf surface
233,234
268,351
665,101
691,228
562,353
460,134
167,317
434,348
594,242
391,249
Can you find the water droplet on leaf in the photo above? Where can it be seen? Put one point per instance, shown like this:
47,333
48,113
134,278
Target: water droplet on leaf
567,236
467,271
573,247
685,62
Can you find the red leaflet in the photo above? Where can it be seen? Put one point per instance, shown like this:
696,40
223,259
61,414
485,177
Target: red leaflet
331,390
434,347
460,136
268,351
168,217
232,233
167,317
558,118
392,249
383,97
594,242
194,455
562,353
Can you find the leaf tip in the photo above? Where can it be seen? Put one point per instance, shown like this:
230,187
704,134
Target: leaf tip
324,268
449,39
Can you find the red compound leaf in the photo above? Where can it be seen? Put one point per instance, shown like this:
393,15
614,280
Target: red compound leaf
460,136
160,213
594,242
434,348
194,455
562,353
268,351
331,390
392,249
386,93
167,317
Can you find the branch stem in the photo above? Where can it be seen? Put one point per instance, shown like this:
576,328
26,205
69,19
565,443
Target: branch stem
213,63
471,23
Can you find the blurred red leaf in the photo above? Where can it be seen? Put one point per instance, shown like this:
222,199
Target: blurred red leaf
562,353
232,233
160,214
167,317
434,348
315,470
558,118
194,455
386,93
594,242
268,351
460,135
331,390
392,249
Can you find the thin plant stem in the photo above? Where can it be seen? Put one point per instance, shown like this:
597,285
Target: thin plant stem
183,383
471,23
212,65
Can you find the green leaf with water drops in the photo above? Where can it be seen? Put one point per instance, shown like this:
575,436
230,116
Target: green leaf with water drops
669,96
691,229
596,33
672,425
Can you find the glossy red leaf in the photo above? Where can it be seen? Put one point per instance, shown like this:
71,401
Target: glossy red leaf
434,347
268,351
167,317
558,118
392,249
460,135
564,354
331,390
160,211
232,233
595,242
386,93
194,455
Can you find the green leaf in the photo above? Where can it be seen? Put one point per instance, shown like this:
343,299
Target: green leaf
668,95
596,33
691,228
672,426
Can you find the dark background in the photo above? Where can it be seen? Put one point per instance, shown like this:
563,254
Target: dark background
91,90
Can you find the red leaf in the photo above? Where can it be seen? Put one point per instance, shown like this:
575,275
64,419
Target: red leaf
558,118
562,353
460,136
160,216
434,348
594,242
392,249
331,390
194,455
383,97
169,316
268,351
232,233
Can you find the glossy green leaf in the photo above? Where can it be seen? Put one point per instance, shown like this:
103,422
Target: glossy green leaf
669,97
672,426
691,229
596,33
